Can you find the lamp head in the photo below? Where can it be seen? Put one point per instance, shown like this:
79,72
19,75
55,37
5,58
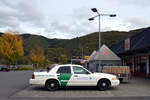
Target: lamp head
90,19
94,9
112,15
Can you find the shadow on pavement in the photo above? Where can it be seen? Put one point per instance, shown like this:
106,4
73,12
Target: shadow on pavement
71,88
127,82
39,88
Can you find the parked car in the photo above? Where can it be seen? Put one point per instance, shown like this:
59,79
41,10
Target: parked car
72,75
4,68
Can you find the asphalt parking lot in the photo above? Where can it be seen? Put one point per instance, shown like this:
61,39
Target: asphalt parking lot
133,88
12,82
14,85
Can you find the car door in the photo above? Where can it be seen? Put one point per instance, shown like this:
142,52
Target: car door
64,74
81,77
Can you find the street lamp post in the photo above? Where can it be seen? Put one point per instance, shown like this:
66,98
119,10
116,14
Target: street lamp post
99,15
82,54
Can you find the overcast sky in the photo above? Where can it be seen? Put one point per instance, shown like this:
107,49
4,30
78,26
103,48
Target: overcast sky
69,18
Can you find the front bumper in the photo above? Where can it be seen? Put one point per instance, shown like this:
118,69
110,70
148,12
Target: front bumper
115,83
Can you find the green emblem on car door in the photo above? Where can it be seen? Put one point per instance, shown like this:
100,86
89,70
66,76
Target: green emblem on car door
64,78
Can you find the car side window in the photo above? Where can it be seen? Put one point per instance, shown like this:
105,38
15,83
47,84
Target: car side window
79,70
65,69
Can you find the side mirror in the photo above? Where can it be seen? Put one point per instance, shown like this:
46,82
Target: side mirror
87,72
92,71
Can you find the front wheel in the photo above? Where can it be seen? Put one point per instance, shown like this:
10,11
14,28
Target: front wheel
121,80
103,85
52,85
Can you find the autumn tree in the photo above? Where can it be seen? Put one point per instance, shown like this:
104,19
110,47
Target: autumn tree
37,56
11,47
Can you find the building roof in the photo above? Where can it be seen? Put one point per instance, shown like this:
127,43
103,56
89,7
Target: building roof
139,41
92,56
105,54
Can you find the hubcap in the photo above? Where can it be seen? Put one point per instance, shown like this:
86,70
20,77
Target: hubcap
52,85
104,84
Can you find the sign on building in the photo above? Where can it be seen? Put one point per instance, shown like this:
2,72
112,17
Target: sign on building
86,57
127,44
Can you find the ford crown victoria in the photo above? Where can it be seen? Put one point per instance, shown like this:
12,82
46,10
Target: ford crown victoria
72,75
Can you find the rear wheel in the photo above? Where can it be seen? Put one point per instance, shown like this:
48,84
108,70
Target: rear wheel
103,85
52,85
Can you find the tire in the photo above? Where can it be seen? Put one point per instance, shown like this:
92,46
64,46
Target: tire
121,80
52,85
2,69
103,85
6,70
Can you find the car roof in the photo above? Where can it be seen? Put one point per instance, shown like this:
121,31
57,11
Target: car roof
68,65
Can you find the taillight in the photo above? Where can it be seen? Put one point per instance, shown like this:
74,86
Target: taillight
33,76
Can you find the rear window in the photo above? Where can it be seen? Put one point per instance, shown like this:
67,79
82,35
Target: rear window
65,69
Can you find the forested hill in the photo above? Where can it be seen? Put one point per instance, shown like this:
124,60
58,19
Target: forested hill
88,42
55,47
109,38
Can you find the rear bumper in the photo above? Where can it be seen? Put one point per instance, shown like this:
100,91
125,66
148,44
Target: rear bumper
36,82
115,83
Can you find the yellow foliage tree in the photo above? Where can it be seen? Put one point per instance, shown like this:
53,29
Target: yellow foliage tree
11,47
37,56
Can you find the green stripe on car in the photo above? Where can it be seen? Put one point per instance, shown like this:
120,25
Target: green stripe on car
64,78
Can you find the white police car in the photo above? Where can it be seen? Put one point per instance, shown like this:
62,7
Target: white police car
72,75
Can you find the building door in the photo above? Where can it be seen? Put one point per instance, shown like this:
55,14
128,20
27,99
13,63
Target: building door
143,64
97,67
143,68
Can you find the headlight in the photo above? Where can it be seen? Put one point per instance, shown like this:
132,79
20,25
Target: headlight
114,78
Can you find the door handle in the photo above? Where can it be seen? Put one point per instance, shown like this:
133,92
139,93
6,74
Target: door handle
75,75
58,75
